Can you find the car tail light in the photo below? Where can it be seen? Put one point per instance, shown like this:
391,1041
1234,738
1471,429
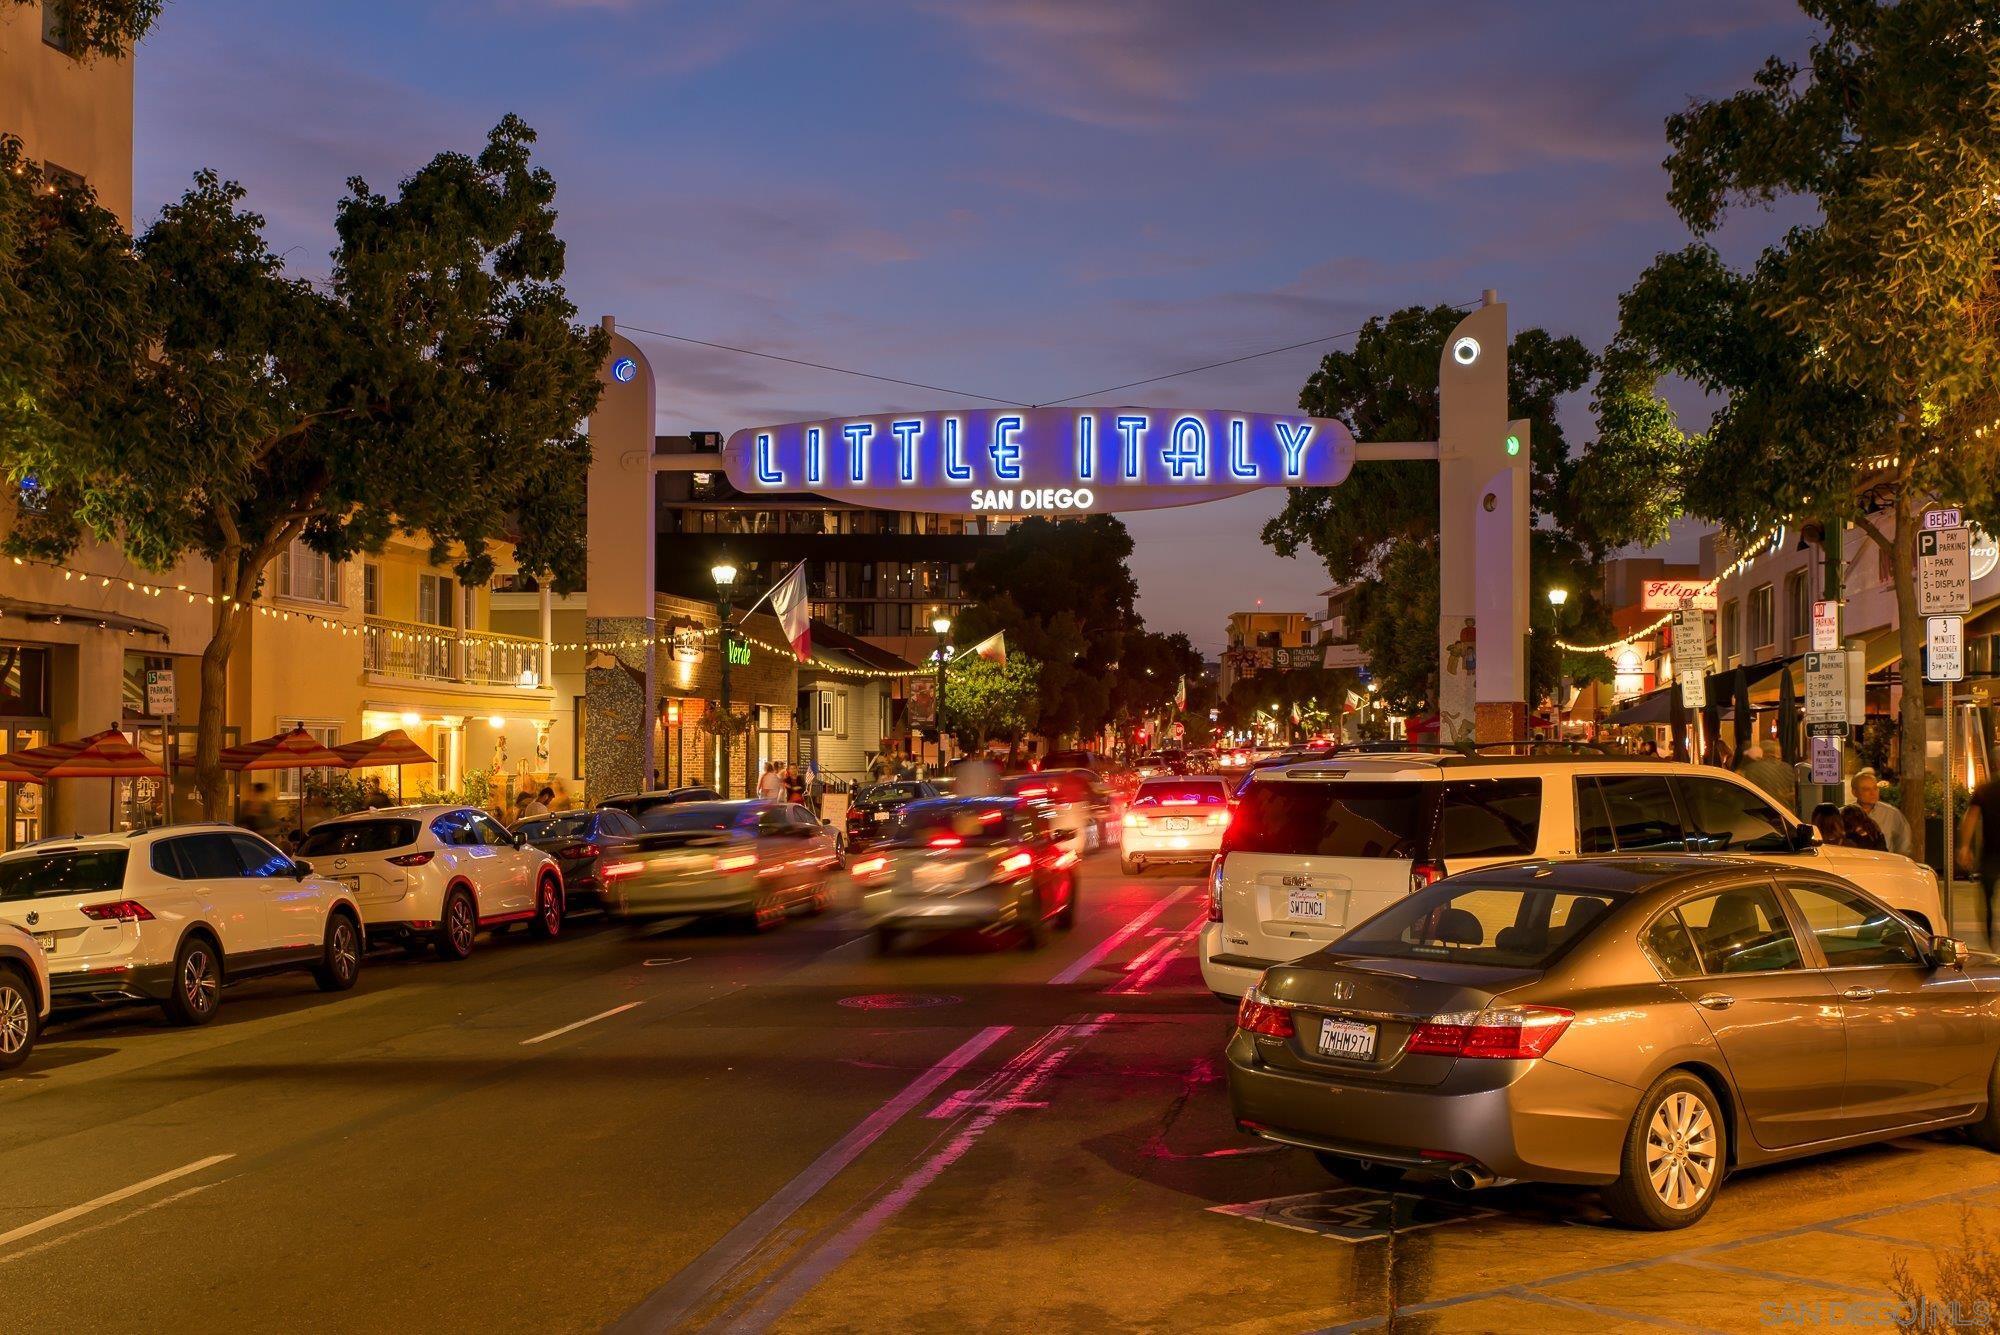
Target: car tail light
1506,1033
1015,863
582,851
1425,873
118,910
613,870
869,866
1219,818
1215,891
1066,858
946,841
1258,1015
735,862
1134,821
1035,791
413,859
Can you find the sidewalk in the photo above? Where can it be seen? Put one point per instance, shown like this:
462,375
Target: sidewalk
1968,919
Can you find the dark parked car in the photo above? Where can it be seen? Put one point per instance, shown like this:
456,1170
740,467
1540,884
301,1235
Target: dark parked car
636,805
873,809
583,843
1642,1024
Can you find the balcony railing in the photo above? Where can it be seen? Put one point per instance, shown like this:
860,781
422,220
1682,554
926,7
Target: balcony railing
442,653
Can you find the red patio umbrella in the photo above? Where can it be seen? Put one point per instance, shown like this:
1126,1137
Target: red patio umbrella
297,749
393,747
13,773
102,755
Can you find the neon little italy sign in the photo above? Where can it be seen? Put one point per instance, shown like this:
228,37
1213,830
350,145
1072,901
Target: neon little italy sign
1041,460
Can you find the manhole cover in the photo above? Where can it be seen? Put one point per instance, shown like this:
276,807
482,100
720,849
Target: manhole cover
1355,1214
897,1001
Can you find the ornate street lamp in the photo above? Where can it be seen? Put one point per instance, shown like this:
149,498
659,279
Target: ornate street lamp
724,575
942,625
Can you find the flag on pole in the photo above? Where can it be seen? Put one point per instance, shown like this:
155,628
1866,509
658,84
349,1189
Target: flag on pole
993,648
788,600
1180,693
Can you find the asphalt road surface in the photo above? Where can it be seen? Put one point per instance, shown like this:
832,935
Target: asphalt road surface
702,1129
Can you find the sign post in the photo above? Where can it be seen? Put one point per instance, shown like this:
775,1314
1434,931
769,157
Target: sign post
1944,594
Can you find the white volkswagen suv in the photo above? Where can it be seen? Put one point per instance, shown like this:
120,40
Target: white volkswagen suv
1317,846
172,914
24,994
437,875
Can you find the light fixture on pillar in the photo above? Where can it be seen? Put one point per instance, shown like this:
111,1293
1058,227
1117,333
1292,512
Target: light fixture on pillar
942,625
1557,597
724,575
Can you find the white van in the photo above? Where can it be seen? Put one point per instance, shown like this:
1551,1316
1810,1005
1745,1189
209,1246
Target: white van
1314,848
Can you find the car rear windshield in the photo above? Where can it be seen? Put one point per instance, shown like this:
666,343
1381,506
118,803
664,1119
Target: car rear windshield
1067,760
963,822
359,836
74,871
570,825
1181,793
1334,819
1048,787
1514,927
890,792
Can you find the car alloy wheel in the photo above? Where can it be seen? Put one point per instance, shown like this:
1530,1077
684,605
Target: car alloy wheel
17,1025
198,981
1680,1151
458,924
346,953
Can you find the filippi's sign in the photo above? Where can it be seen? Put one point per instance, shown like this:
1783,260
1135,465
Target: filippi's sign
1664,595
1030,460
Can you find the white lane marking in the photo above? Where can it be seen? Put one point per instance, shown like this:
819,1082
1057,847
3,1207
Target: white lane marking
601,1015
670,1304
109,1198
1096,954
77,1234
662,963
1143,972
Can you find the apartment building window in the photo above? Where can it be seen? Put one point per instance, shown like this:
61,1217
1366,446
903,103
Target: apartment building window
1763,631
1727,629
55,30
307,576
435,599
371,589
1798,605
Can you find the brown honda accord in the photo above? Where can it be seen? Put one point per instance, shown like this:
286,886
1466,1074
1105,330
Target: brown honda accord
1647,1025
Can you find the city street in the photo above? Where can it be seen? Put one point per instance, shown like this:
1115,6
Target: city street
701,1128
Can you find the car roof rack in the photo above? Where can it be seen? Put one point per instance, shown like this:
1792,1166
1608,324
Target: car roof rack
1547,743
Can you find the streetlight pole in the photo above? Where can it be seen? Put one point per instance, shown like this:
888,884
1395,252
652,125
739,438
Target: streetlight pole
724,575
942,625
1558,597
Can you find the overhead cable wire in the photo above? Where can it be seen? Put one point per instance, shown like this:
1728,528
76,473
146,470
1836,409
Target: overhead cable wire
819,366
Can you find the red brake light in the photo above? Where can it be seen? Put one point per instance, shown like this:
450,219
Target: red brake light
735,862
1066,858
1425,873
583,851
1133,820
1016,863
1506,1033
1258,1016
868,866
118,910
413,859
613,870
946,841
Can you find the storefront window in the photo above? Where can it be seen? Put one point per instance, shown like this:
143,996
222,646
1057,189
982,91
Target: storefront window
24,681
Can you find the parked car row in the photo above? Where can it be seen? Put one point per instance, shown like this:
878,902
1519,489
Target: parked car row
1628,975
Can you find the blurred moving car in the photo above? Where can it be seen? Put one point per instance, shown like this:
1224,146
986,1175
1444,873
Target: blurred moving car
1317,846
173,913
991,863
582,843
1161,762
436,876
753,859
1083,809
1080,759
24,994
637,805
1645,1024
1173,820
872,809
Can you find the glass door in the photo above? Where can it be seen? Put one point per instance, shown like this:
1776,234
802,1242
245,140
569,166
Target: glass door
23,801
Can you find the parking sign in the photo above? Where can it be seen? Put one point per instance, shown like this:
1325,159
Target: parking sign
1944,571
1944,649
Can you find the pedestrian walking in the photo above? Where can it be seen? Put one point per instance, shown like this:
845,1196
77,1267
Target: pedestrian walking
1826,819
1894,826
1979,853
771,783
1859,831
1774,776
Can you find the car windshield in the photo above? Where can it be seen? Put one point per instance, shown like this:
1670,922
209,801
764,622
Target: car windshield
949,824
681,817
569,825
358,836
1181,793
1335,819
1461,920
72,871
890,792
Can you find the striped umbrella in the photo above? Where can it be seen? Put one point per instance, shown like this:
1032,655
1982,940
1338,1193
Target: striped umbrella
393,747
102,755
297,749
13,773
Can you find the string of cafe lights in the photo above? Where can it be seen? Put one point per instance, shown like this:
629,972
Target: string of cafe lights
1756,550
150,589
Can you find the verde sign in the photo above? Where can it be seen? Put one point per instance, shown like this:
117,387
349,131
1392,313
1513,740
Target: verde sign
1032,460
739,651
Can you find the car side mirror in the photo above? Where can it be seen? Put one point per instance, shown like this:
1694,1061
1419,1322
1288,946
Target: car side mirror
1949,952
301,869
1805,837
520,841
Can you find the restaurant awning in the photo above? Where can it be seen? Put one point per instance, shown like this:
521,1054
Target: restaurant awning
83,616
1656,706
